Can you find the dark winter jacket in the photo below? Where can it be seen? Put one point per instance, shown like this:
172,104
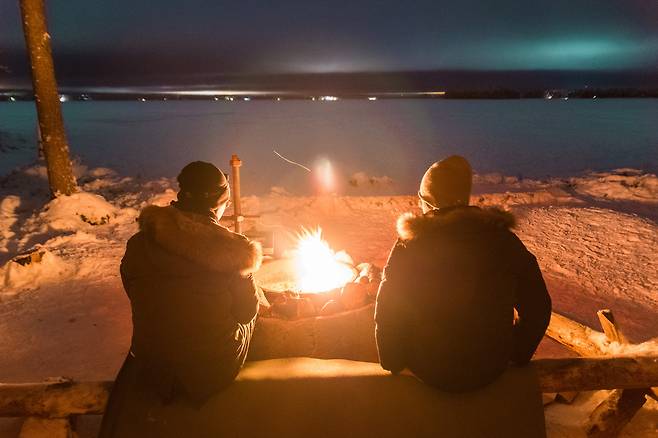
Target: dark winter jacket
193,304
445,307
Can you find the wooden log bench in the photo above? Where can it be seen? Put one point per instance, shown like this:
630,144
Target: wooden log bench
315,397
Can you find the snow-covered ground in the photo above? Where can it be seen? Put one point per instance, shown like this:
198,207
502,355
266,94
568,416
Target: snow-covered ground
63,311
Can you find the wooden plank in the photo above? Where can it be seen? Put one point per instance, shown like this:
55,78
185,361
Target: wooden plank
573,335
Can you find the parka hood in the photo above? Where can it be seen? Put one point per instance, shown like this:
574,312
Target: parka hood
200,240
412,225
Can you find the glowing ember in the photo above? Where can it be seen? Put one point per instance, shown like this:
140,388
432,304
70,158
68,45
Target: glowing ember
317,267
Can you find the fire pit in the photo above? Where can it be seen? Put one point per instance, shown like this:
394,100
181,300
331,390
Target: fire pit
321,305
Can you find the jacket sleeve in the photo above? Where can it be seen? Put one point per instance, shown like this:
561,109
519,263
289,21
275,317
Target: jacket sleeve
244,294
391,312
533,305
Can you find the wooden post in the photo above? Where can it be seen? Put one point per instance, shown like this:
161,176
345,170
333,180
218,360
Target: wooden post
44,84
615,412
237,206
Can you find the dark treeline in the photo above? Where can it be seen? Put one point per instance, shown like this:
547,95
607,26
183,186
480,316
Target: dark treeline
583,93
493,93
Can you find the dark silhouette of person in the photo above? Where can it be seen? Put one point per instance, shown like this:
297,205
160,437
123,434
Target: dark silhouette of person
194,304
446,305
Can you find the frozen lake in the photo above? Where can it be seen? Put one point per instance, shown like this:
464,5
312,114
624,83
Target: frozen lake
395,138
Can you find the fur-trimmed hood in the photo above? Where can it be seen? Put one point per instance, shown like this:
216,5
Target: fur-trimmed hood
200,240
412,225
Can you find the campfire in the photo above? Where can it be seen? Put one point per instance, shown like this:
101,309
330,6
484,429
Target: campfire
317,267
316,280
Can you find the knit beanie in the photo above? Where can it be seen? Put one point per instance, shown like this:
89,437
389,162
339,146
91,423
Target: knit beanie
447,183
201,180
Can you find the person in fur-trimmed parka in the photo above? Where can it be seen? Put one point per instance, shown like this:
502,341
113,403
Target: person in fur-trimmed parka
194,304
446,305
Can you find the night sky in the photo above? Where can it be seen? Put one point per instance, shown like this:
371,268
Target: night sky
96,39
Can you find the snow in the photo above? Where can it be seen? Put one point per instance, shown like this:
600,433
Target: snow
49,268
621,184
65,314
77,210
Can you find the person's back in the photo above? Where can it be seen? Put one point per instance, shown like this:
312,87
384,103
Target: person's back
445,308
193,306
190,304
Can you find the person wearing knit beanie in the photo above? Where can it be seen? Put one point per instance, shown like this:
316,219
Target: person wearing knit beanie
447,183
194,303
204,189
451,285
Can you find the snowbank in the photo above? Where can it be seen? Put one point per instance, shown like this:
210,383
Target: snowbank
619,185
31,271
76,211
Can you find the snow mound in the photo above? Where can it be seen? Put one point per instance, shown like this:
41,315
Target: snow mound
619,185
30,271
77,211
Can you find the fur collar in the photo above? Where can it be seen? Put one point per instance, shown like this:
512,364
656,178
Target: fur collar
412,225
199,239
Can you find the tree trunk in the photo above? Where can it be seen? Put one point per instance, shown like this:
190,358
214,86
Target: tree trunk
51,125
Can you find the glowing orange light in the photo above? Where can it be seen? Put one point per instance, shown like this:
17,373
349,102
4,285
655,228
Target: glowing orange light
317,267
324,173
